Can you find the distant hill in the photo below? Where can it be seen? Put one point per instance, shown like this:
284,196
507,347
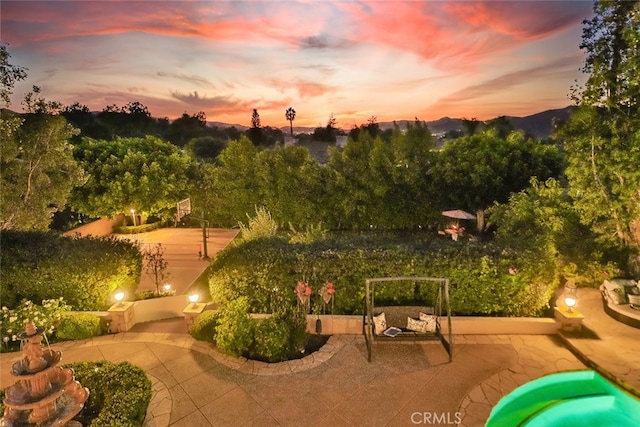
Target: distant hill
539,125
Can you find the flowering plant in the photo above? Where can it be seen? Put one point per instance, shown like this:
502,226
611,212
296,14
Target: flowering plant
303,291
13,321
326,293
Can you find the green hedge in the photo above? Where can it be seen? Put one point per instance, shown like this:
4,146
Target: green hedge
130,229
274,339
485,279
119,394
85,271
79,326
204,327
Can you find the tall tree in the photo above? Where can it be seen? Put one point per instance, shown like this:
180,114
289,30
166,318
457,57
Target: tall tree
145,174
36,160
255,119
255,133
38,172
602,137
481,169
9,75
290,114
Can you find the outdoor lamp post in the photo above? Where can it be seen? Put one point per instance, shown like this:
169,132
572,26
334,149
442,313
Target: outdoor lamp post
133,216
570,296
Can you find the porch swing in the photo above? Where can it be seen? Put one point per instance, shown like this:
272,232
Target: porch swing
407,322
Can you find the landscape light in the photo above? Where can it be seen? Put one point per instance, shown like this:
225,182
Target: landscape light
570,296
167,287
133,216
119,296
194,299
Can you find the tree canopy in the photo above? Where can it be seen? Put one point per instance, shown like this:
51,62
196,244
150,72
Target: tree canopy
602,138
145,174
38,171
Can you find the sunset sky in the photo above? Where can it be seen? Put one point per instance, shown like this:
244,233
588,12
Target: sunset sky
356,59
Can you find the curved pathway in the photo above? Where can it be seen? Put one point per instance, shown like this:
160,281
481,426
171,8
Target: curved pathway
196,385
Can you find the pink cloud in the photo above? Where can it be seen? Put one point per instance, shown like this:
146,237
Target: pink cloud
456,34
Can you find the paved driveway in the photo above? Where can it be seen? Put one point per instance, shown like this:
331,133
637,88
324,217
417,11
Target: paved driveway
182,246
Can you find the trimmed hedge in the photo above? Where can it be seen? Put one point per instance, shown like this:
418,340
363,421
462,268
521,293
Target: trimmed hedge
79,326
119,393
85,271
274,339
130,229
204,327
485,279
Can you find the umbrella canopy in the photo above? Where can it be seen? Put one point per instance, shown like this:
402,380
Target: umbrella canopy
458,214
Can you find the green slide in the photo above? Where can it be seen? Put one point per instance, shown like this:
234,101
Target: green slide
579,398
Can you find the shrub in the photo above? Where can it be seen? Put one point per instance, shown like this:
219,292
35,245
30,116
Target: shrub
310,234
79,326
84,271
45,315
119,393
204,327
260,226
234,332
144,228
280,337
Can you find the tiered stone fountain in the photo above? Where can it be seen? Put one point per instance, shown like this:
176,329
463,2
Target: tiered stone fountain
45,394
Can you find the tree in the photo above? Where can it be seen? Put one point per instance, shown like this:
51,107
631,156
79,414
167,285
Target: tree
206,148
290,114
187,127
9,75
327,133
131,120
255,133
255,119
155,266
230,189
38,171
146,174
602,137
481,169
471,125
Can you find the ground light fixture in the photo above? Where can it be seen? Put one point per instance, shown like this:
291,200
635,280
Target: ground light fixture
167,287
133,216
193,298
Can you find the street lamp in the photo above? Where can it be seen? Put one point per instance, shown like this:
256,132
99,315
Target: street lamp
133,216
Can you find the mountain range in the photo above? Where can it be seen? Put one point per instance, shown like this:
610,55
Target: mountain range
539,125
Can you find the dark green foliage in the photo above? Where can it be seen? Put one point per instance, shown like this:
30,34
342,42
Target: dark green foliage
84,271
79,326
207,148
279,337
273,339
234,332
144,228
204,327
119,393
146,174
485,279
